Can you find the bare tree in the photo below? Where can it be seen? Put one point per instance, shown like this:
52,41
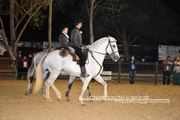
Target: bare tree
146,21
50,25
98,6
18,23
91,6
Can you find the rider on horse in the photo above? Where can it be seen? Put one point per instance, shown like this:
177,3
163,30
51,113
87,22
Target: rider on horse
64,38
76,42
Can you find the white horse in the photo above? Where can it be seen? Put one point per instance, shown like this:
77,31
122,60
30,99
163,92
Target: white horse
31,76
54,64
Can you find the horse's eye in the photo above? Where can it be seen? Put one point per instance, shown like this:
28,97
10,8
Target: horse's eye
113,46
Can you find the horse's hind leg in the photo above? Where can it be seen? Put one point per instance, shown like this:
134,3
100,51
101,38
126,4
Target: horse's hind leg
71,80
30,85
100,80
45,75
47,92
58,94
50,83
30,77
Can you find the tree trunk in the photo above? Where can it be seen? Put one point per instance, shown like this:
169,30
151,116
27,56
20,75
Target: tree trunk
91,22
50,25
12,30
125,44
13,35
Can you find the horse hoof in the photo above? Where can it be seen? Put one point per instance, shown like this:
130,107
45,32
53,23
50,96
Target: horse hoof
67,99
27,93
59,99
82,104
44,96
90,100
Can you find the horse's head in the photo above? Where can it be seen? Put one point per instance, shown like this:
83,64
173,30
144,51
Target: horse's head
112,49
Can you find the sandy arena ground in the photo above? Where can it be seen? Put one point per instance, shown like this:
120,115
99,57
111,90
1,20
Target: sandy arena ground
15,106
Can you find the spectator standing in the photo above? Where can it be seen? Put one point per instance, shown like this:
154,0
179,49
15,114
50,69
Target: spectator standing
167,68
19,66
176,71
177,65
132,69
29,59
25,65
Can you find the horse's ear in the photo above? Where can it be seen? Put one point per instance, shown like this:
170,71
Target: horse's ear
109,36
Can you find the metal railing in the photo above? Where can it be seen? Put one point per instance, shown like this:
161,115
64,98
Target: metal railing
153,70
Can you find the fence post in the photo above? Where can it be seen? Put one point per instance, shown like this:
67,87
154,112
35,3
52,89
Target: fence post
156,71
119,72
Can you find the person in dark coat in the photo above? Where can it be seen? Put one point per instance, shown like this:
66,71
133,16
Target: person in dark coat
25,66
64,39
167,69
76,42
132,69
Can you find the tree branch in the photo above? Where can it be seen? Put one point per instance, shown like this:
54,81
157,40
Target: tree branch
4,38
88,10
26,13
135,39
29,19
96,7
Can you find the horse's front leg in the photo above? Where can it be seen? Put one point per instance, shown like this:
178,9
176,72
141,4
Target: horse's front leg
88,91
84,87
100,80
71,80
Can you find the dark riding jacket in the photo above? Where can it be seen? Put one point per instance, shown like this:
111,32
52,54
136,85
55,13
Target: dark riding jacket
132,65
76,38
64,41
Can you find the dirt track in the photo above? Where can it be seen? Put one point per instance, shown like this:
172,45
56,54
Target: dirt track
15,106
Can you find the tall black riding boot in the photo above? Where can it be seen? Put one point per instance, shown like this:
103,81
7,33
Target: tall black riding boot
83,72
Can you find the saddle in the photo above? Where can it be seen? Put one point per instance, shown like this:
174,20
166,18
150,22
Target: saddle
64,52
75,56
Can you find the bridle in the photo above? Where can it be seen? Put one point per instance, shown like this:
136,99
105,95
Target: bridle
112,54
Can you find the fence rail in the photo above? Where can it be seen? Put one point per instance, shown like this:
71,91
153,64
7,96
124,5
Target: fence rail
119,70
152,70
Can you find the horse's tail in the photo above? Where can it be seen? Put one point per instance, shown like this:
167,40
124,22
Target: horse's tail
38,72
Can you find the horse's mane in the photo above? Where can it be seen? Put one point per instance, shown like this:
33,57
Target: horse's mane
97,43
